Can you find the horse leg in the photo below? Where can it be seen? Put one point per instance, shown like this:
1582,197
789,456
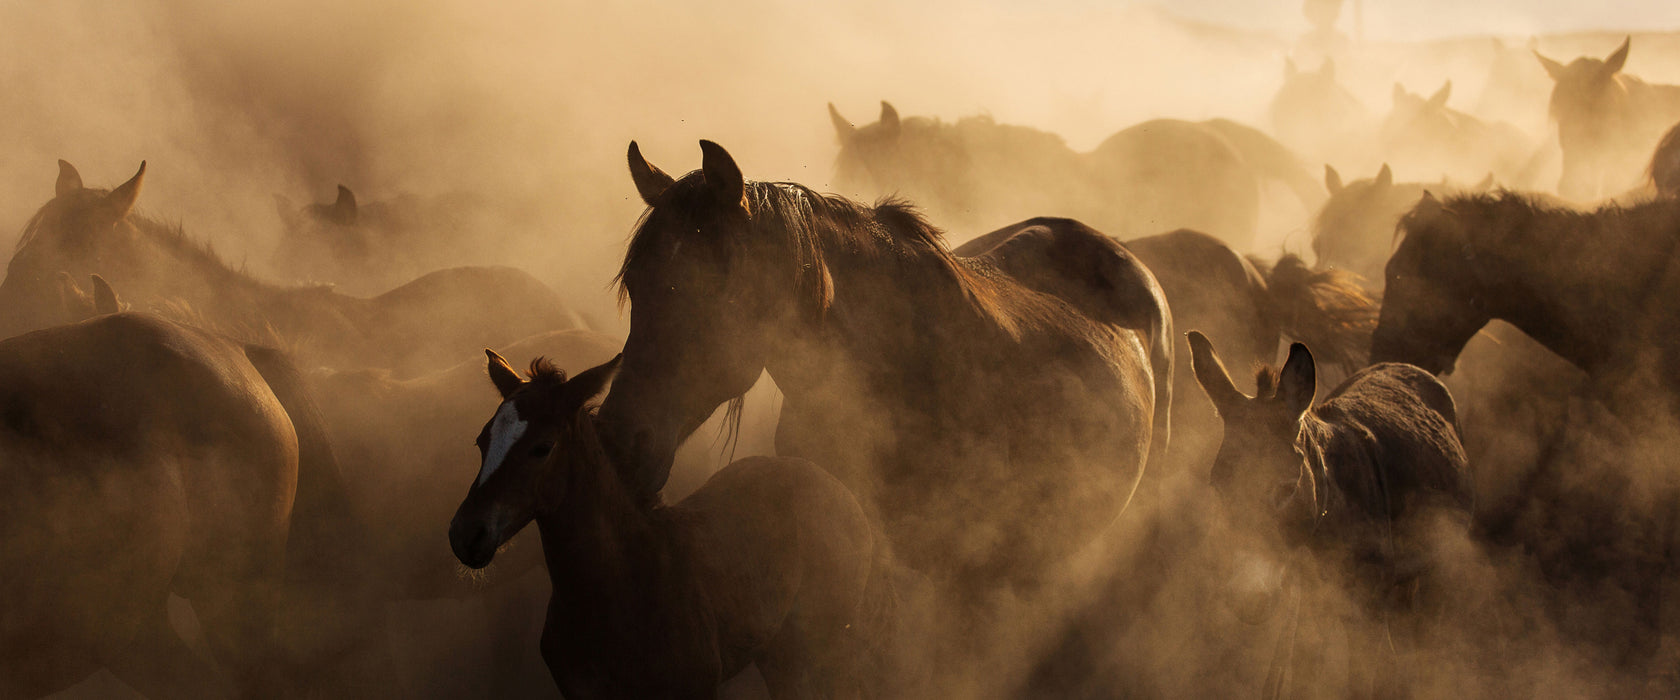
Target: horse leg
240,623
516,611
158,664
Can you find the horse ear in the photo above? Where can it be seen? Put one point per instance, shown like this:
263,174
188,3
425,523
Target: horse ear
68,179
1439,99
650,181
1613,64
1399,94
344,208
1298,380
1385,177
723,176
889,119
104,298
589,383
1483,186
1427,206
1553,68
842,127
1289,69
77,306
502,375
1211,374
120,201
1332,179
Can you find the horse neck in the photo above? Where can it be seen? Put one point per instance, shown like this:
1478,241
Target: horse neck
1542,298
605,549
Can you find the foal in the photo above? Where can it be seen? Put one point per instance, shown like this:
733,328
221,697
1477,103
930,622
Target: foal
772,562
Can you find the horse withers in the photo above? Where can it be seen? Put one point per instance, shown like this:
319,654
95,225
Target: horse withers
1359,483
772,562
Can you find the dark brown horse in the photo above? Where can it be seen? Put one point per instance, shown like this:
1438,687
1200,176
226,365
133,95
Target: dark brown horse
1156,175
772,562
429,323
891,354
1358,482
1355,229
142,459
1590,286
1607,122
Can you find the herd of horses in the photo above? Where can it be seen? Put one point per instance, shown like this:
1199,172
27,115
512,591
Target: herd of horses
995,462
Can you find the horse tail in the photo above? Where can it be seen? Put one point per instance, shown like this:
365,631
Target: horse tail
333,605
1328,310
1273,160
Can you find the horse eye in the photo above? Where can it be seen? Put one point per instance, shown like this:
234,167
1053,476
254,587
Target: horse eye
541,449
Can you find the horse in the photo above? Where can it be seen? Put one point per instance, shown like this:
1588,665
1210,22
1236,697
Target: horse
1251,305
1359,482
1664,169
887,348
1591,288
1314,115
424,324
369,247
1354,231
1424,135
1607,121
772,562
142,459
1165,171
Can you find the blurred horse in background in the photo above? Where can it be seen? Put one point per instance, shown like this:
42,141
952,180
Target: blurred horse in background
1424,136
1607,122
1318,118
425,324
1160,174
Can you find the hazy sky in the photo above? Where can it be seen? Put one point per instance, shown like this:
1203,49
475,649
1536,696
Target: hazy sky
1415,19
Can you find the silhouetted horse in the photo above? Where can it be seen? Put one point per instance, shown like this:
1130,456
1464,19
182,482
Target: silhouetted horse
1607,122
1425,136
429,323
1157,175
1360,482
772,562
141,459
890,352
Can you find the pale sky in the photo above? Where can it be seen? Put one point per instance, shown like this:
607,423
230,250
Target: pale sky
1423,19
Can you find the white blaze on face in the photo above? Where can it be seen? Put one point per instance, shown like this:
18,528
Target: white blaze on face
505,429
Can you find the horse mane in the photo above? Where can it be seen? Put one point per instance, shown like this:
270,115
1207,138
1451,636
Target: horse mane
1265,381
812,226
1327,309
544,370
1550,225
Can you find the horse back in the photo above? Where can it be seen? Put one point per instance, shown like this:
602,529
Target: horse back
1394,446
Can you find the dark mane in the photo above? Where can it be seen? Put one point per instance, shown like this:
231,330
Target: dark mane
544,370
1265,381
1550,227
811,225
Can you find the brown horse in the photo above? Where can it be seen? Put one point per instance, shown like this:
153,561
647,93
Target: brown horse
1355,229
144,458
1159,174
1358,482
428,323
772,562
891,352
1607,122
